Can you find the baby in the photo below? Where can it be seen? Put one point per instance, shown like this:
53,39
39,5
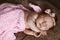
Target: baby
17,18
39,22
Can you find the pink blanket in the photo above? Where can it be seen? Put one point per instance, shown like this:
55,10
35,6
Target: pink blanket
12,20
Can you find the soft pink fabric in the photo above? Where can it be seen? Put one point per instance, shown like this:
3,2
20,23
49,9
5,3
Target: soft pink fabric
11,21
35,8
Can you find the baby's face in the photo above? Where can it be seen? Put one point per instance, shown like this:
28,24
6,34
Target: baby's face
45,22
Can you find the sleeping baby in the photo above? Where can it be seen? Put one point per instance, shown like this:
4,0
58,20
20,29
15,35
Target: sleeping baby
16,18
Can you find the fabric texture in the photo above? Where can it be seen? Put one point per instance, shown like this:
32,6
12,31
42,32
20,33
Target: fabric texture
12,19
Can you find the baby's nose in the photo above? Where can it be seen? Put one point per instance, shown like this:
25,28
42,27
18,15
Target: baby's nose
43,26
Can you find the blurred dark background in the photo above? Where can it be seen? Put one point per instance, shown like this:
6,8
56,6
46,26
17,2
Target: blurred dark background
56,3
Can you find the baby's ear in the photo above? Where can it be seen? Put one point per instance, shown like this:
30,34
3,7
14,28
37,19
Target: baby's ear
35,8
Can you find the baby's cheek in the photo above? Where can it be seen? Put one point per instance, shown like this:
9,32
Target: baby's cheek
39,22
